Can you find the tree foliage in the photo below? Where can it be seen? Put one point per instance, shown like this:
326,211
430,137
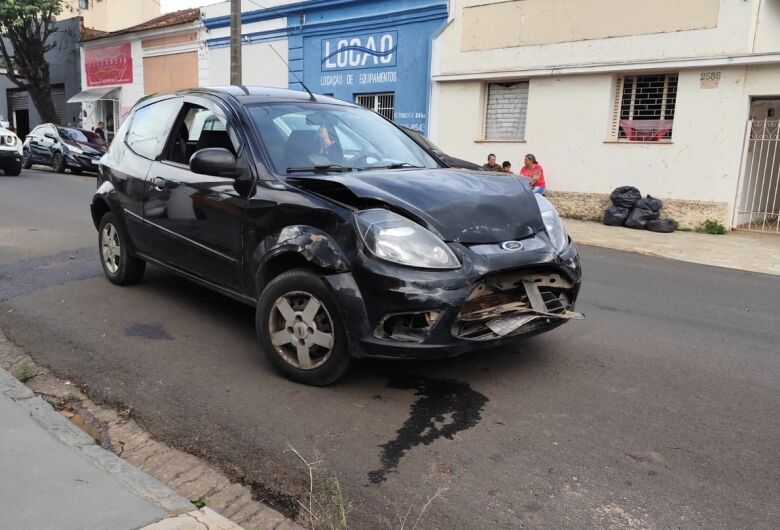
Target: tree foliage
26,28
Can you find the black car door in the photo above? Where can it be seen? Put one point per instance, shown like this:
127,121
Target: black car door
196,220
139,142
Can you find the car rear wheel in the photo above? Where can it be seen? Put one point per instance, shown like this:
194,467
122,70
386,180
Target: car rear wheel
26,159
120,267
300,329
58,163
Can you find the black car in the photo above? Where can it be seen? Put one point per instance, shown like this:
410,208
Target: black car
449,161
63,148
348,238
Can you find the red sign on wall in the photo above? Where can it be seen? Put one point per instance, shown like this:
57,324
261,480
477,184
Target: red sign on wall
112,65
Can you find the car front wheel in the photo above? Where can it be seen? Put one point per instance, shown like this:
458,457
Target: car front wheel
120,267
13,169
300,329
26,159
58,163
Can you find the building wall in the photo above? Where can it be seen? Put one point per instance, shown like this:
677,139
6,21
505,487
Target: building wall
388,51
260,64
175,71
113,15
504,24
568,130
585,21
303,33
571,54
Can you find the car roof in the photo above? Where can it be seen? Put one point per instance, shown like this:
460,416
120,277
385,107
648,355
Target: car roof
247,95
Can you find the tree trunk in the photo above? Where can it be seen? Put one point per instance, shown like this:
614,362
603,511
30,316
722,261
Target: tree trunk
44,103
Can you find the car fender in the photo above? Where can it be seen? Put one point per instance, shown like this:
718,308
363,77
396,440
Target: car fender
312,244
104,200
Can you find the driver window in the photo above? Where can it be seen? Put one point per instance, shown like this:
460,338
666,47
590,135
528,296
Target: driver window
198,129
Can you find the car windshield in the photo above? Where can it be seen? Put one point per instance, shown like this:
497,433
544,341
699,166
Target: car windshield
420,137
78,135
323,138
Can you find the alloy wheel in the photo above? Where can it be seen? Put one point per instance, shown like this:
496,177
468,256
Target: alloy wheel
301,330
110,248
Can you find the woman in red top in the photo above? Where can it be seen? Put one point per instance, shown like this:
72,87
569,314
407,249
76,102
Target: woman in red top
535,172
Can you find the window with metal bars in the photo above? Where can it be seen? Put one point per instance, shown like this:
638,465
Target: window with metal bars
644,108
506,111
382,104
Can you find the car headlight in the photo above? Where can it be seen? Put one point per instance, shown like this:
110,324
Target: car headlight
553,224
11,140
391,237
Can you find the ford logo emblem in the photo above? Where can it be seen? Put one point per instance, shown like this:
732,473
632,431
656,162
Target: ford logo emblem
512,246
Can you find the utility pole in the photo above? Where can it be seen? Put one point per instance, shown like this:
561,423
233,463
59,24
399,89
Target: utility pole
235,42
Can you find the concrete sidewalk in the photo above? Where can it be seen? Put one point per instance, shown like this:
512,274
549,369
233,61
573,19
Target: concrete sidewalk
54,476
735,250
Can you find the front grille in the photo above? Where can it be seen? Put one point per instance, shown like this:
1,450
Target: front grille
510,303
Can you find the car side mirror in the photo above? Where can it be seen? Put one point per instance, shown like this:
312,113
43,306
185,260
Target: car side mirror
214,161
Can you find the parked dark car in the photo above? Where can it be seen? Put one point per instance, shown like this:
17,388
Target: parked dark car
449,161
63,148
348,238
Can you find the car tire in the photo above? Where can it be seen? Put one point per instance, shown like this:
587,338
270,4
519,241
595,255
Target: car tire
26,159
113,245
58,163
297,334
13,170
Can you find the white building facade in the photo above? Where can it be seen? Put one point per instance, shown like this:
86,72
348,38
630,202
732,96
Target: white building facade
607,93
121,67
262,39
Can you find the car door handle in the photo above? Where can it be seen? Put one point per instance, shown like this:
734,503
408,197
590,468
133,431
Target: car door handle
158,184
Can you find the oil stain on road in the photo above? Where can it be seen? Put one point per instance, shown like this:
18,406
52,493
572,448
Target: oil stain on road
147,331
443,408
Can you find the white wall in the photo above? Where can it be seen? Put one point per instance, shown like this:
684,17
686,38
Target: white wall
767,38
222,9
568,131
260,65
733,35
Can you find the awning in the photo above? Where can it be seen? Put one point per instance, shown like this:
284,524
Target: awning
95,94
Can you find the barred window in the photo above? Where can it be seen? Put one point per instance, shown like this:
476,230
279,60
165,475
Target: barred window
382,104
506,111
644,108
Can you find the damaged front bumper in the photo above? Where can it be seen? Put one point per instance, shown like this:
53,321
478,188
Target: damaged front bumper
494,299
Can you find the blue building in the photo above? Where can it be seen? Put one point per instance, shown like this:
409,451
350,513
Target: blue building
373,52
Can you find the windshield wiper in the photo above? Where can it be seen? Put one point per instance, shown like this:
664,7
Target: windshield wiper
330,168
397,165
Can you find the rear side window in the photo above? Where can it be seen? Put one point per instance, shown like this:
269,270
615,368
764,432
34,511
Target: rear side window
150,127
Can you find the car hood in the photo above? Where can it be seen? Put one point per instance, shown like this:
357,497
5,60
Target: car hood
469,207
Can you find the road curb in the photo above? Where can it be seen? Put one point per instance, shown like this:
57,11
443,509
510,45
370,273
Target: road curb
179,509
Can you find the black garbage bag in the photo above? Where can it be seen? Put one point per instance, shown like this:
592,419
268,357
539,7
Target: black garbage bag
647,209
665,226
616,215
625,196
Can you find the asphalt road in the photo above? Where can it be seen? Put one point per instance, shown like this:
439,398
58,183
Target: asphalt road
660,410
